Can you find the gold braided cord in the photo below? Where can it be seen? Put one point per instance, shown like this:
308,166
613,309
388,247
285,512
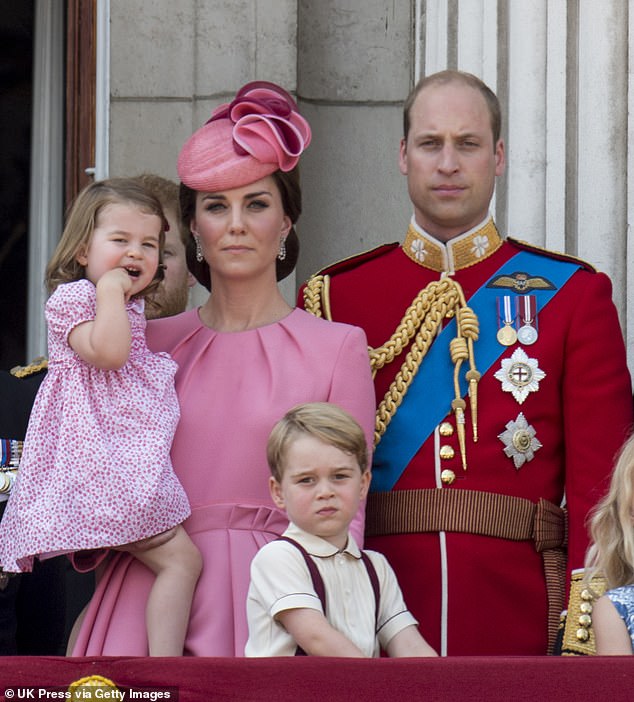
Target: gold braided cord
470,328
441,299
313,295
37,365
422,321
459,352
426,303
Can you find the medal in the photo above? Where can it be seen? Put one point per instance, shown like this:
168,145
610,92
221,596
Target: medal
520,375
527,333
506,335
520,441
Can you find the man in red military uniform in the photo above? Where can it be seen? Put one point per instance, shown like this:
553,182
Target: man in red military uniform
503,396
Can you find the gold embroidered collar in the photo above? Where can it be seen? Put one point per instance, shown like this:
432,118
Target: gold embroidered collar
463,251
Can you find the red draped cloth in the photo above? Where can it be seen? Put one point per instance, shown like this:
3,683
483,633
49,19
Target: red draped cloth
329,679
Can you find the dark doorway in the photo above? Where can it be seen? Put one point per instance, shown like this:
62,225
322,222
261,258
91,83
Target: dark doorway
16,91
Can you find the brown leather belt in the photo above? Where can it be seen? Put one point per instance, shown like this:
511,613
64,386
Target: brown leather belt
485,514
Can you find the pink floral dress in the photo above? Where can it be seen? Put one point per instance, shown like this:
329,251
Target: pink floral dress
96,469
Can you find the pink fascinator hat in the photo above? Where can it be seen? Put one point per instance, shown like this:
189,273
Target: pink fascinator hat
253,136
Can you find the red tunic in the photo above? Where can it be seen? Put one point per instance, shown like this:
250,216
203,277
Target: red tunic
479,595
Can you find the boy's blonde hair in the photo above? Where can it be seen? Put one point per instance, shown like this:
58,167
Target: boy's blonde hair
612,549
322,420
82,220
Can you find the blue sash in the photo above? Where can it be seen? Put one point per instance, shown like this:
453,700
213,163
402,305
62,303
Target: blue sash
427,401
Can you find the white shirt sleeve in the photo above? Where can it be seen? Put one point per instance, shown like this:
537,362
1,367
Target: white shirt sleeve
280,580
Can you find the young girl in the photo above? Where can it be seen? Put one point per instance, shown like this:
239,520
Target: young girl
611,554
96,470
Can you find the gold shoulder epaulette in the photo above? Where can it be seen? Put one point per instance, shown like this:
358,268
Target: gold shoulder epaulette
37,365
526,246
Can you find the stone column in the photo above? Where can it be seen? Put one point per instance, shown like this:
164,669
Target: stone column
352,56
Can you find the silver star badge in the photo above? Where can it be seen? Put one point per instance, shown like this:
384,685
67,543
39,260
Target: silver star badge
520,442
520,375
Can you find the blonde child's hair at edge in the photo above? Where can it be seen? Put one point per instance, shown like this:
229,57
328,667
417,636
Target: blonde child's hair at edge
323,421
611,553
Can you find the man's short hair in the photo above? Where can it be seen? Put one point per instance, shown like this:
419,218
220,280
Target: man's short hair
451,76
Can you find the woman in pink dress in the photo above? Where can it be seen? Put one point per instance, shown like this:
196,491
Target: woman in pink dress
245,357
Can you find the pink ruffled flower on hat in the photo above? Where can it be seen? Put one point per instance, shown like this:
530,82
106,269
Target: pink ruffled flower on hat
267,124
257,133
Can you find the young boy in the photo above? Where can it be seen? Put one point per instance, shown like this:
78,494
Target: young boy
313,591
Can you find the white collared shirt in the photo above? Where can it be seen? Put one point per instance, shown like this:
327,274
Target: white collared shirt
280,580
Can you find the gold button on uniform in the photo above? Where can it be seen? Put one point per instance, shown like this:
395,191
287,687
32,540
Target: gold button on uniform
447,476
447,452
445,429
